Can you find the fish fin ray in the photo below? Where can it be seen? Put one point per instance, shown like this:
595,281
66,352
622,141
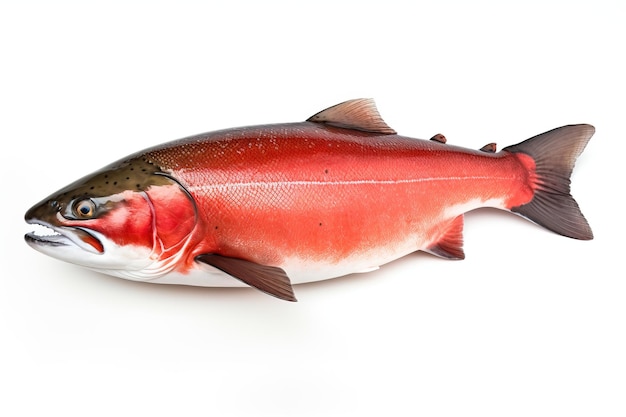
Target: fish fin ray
358,114
552,206
450,244
269,279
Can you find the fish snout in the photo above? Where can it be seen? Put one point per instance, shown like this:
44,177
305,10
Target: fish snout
43,211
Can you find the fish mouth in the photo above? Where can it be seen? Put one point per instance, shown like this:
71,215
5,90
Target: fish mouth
48,235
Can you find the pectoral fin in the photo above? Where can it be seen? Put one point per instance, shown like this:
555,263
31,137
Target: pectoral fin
269,279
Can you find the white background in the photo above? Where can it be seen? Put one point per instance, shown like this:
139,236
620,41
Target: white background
531,323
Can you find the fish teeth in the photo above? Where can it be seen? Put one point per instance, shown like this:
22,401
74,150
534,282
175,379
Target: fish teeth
43,231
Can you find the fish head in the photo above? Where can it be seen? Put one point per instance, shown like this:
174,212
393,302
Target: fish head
130,219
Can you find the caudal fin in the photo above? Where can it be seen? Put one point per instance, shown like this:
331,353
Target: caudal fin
555,154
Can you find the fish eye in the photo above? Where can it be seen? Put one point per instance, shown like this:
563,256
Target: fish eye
85,209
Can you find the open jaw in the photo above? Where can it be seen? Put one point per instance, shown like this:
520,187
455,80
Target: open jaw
46,235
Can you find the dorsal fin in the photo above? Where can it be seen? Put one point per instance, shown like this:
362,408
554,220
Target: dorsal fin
450,243
359,114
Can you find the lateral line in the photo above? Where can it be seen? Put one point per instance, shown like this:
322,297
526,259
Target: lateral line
274,184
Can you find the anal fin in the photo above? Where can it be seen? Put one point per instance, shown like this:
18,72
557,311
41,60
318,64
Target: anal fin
269,279
450,243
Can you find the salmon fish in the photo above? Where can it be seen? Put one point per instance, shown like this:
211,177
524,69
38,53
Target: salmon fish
275,205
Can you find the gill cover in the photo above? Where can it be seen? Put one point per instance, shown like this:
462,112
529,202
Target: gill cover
130,204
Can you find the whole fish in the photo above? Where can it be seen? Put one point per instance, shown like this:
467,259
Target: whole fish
275,205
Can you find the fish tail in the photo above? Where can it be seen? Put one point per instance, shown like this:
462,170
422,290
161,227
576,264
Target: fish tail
554,154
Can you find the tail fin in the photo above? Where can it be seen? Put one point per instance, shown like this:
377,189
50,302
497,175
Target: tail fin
555,154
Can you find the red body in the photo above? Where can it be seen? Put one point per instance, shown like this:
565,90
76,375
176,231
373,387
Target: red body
322,193
288,203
